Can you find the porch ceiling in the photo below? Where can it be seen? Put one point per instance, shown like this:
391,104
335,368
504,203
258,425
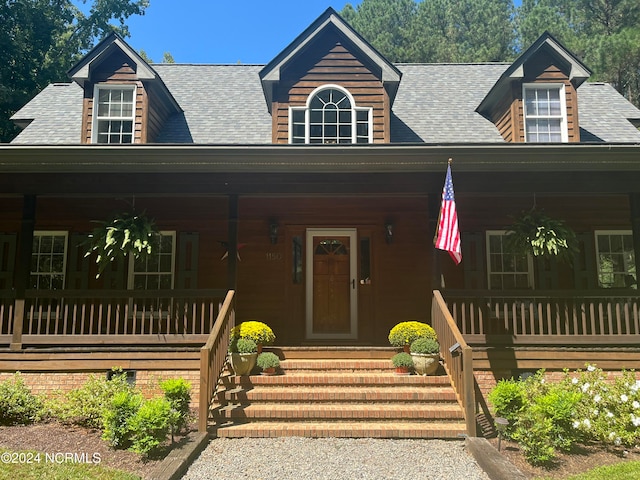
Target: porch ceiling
290,169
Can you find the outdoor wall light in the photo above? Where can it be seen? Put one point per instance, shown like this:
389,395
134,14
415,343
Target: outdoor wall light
455,349
273,232
388,232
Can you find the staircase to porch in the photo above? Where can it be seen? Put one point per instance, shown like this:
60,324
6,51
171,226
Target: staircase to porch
337,392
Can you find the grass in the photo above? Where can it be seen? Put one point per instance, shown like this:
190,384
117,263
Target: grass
618,471
27,465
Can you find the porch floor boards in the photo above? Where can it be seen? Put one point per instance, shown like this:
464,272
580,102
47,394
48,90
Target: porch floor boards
337,392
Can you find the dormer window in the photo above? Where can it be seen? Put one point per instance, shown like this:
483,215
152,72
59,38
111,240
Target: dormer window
330,116
113,114
545,113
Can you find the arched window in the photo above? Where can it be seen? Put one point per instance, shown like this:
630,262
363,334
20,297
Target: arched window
330,116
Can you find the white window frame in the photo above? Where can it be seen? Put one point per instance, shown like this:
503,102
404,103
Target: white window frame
564,134
627,271
529,272
52,233
95,119
132,273
354,115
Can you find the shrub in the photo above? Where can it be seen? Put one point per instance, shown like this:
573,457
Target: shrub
86,405
177,391
259,332
268,360
404,333
508,399
117,416
150,425
402,359
17,404
243,345
425,345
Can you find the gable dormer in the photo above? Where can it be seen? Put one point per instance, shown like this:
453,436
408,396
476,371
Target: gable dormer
330,86
124,99
536,100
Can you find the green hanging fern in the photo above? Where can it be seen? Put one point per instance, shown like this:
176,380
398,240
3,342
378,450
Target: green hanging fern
535,233
125,234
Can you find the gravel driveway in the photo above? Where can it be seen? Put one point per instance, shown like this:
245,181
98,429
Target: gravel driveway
294,458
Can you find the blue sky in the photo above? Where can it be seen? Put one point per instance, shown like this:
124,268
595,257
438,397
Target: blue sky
216,31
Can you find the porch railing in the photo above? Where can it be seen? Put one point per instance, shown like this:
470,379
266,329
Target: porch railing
110,317
458,359
213,356
547,317
7,305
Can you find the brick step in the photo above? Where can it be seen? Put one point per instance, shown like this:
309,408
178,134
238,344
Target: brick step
336,378
337,411
434,393
324,352
345,429
329,364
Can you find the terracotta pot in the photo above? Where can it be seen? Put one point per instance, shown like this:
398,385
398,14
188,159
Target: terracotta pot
269,371
243,363
426,363
402,371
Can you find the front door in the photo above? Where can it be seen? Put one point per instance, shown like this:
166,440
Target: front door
331,293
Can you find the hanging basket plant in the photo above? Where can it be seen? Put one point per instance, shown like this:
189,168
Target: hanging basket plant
125,234
535,233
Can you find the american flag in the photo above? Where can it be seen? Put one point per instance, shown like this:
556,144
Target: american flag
448,235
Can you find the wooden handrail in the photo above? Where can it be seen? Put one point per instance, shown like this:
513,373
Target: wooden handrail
213,356
458,361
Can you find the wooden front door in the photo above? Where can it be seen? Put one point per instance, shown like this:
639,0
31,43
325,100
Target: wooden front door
331,284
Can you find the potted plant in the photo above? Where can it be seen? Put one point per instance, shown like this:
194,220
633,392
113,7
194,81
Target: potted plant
425,352
243,355
124,234
402,362
535,233
268,362
404,333
259,332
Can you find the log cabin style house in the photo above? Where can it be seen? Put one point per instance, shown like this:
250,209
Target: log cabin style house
310,187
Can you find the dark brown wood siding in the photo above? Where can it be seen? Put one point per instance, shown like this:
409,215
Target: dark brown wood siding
118,70
330,63
508,114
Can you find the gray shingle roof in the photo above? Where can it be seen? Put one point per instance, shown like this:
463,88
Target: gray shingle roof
224,104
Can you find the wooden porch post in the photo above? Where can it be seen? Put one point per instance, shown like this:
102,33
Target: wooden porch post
433,208
634,203
23,267
232,247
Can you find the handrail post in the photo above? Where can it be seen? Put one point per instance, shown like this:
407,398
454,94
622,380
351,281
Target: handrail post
203,404
469,390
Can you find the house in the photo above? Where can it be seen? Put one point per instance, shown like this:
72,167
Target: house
311,187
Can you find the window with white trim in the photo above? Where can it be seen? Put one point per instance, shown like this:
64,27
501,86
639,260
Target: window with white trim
330,116
545,113
156,270
615,259
48,260
506,270
113,114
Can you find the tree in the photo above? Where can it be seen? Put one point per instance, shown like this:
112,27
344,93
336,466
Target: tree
41,39
385,24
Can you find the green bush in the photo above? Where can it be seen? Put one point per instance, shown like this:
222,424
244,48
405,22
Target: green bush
150,425
583,406
243,345
177,391
402,359
425,345
86,405
117,416
268,360
17,404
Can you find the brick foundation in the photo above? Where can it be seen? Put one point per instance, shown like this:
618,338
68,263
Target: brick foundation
148,381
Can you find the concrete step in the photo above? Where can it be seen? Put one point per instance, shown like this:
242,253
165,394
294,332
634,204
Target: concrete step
345,429
340,411
403,394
